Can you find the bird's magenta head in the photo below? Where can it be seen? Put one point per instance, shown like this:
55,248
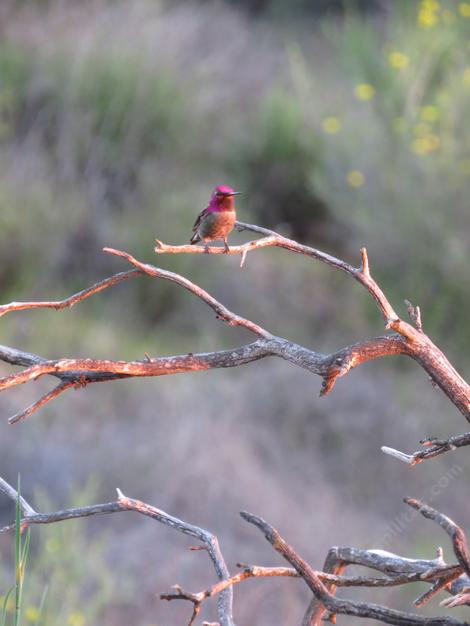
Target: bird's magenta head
224,190
222,198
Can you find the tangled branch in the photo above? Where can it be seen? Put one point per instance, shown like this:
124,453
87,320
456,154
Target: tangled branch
325,600
398,570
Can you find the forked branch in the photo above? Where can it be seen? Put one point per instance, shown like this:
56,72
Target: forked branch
74,373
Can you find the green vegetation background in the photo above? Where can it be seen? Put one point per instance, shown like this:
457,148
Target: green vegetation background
342,128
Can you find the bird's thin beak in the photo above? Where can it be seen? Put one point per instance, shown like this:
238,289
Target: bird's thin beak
235,193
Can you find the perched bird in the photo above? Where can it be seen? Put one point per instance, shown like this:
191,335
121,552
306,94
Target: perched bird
217,220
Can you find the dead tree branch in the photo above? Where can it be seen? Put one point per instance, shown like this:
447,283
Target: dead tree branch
406,339
456,534
433,447
398,570
422,349
325,597
442,574
71,300
123,503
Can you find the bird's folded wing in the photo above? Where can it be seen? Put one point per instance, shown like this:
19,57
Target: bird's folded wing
199,219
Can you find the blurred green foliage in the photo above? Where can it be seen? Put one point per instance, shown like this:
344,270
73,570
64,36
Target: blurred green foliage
62,553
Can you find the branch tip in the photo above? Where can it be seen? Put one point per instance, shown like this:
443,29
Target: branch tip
365,269
401,456
329,381
415,314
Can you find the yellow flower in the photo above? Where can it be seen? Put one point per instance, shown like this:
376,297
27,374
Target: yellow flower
76,619
355,178
431,5
398,60
466,77
464,9
427,18
425,145
419,146
429,113
32,614
331,125
433,142
364,91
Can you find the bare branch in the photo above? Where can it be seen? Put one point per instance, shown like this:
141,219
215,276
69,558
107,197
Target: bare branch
275,239
399,570
459,540
438,586
11,492
415,313
335,605
47,397
458,600
249,572
255,571
407,340
395,566
123,503
163,248
421,347
221,311
434,447
365,262
71,300
82,372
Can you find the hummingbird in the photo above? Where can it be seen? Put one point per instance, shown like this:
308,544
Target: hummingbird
217,220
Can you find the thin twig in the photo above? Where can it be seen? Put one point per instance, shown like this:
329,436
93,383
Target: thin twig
415,313
459,540
11,492
221,311
256,571
73,299
433,448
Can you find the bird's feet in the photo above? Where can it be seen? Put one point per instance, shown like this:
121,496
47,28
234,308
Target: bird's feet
206,249
226,248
